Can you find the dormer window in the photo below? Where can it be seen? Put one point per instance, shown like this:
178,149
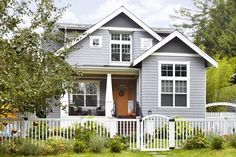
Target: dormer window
95,41
121,47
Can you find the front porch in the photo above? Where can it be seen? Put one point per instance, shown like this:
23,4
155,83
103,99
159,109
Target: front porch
99,93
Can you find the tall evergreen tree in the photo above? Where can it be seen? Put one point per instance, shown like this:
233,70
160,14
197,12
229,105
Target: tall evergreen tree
212,24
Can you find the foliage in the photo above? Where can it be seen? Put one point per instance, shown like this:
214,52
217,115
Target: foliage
196,142
80,146
58,145
217,142
10,147
232,141
117,143
115,146
84,134
96,144
31,73
213,25
29,148
218,79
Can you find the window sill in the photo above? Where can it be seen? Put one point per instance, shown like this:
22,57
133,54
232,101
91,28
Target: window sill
173,107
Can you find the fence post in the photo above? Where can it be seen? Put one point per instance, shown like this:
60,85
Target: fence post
138,121
113,125
141,133
171,133
23,128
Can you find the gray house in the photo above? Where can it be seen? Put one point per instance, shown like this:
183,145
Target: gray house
131,69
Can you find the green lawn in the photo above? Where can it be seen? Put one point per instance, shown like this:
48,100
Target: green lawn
227,152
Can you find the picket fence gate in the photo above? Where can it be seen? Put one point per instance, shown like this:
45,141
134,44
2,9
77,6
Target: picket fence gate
150,133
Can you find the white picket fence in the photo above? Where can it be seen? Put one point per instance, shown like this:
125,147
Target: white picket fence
151,133
221,114
41,129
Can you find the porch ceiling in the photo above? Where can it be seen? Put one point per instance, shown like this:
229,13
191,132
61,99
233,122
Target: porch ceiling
111,70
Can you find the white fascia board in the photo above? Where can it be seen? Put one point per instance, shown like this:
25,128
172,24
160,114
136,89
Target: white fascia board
169,38
122,9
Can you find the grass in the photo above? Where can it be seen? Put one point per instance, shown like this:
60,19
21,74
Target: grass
227,152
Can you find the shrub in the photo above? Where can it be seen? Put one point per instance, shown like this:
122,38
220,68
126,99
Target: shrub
196,142
29,148
96,144
232,141
57,145
217,142
84,134
117,143
115,146
79,147
11,147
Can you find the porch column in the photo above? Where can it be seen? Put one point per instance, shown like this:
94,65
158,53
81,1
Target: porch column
109,97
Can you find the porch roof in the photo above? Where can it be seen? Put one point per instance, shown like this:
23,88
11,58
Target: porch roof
106,70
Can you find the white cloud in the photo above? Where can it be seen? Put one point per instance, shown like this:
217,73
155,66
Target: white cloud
152,12
69,17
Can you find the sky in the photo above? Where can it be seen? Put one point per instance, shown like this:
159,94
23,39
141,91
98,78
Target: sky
154,13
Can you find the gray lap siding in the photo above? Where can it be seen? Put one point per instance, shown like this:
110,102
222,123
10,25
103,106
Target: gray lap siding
149,87
84,55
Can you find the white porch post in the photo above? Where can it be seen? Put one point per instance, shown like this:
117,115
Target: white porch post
109,97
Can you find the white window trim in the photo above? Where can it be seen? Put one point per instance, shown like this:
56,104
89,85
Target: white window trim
160,78
95,37
142,43
98,93
122,63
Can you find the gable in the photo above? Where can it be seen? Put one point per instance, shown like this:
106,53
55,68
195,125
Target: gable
176,45
122,20
108,18
185,40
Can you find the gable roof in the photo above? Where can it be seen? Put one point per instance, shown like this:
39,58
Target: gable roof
169,38
122,9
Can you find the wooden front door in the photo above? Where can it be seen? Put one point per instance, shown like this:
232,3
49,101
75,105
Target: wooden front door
123,92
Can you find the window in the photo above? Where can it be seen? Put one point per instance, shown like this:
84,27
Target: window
146,43
174,84
86,94
95,41
120,47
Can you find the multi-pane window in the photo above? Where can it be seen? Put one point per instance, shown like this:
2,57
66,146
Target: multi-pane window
95,41
174,85
120,47
86,94
167,70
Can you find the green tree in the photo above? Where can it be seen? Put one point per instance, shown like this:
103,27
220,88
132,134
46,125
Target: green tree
212,25
219,78
31,73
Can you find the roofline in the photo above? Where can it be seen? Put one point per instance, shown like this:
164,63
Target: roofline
122,9
169,38
85,27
